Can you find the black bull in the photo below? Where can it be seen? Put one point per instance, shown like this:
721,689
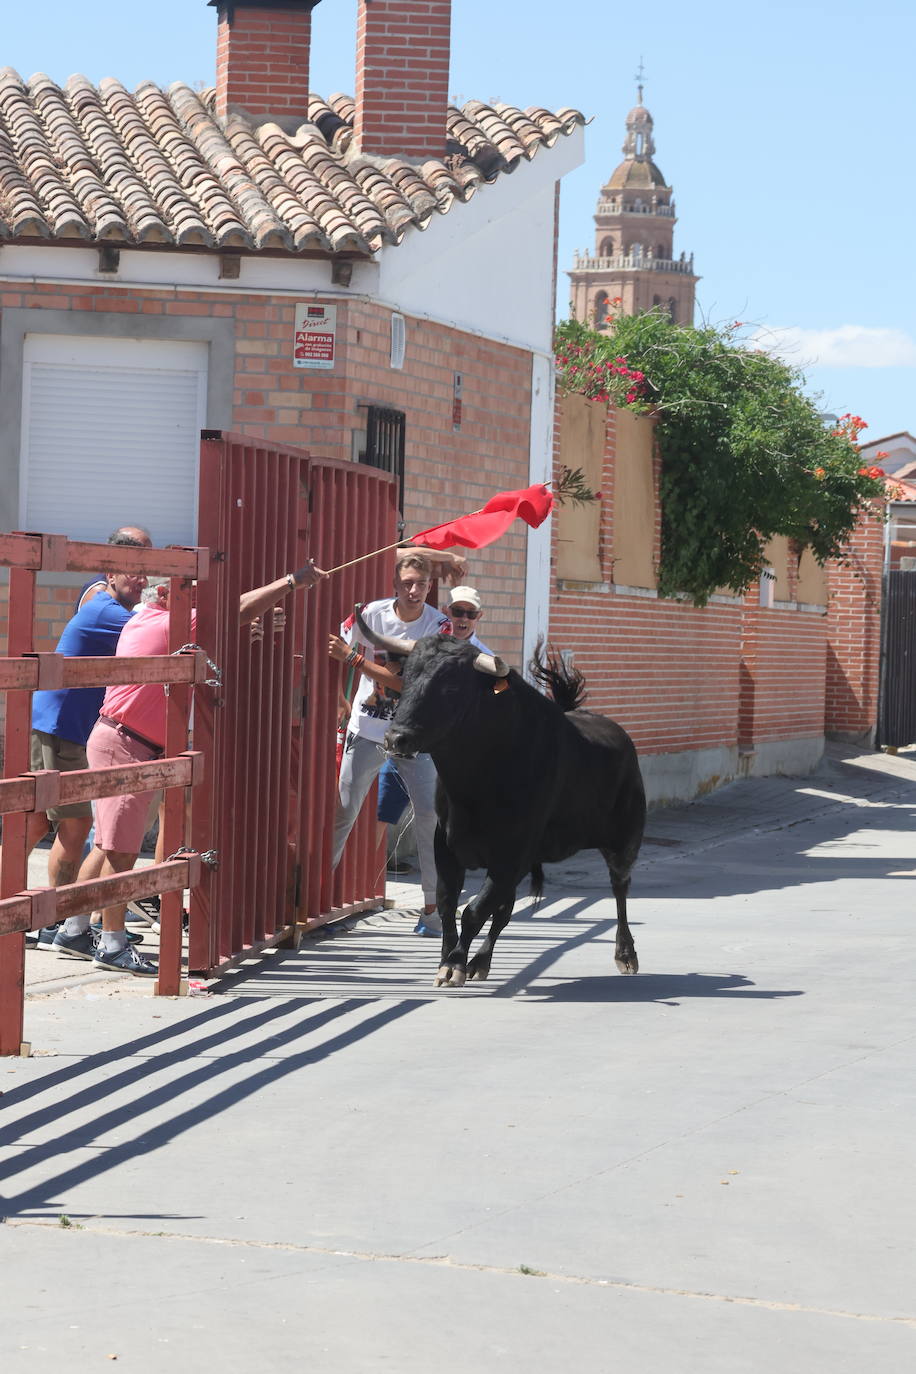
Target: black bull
524,779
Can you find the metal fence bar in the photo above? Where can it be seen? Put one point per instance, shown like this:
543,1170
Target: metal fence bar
897,713
173,813
49,671
208,709
33,908
14,856
38,791
30,794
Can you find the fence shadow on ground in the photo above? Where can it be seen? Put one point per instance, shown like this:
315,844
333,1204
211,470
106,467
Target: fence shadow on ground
295,1010
113,1089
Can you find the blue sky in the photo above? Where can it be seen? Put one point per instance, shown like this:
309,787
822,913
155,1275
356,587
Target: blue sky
785,128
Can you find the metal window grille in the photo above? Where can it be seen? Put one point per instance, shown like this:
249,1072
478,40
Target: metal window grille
385,430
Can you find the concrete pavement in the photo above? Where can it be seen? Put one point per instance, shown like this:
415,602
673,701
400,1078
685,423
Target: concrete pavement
328,1165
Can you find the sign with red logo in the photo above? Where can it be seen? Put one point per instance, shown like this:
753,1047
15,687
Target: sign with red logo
315,337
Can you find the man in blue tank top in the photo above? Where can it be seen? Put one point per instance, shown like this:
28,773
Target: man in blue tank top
62,719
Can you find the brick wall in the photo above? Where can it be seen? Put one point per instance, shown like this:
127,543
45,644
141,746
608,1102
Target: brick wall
854,628
448,471
733,675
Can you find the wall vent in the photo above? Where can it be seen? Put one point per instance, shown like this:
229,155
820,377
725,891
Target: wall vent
398,340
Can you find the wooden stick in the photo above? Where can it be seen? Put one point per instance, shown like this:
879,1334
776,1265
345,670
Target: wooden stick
363,556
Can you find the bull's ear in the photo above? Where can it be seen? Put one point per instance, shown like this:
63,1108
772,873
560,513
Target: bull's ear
488,663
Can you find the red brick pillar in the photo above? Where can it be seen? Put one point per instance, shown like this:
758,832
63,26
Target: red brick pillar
854,636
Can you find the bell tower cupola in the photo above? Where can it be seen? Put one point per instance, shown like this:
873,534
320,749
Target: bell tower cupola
632,267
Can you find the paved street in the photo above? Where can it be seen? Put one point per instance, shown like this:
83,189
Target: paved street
327,1165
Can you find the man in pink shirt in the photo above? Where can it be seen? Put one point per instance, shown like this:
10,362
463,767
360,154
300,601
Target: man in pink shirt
131,729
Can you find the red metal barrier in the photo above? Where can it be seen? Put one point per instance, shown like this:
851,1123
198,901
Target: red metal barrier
263,770
22,792
268,736
353,510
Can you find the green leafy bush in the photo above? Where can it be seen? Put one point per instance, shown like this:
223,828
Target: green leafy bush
745,454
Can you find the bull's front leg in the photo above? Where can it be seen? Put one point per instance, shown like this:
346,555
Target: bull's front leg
449,882
496,899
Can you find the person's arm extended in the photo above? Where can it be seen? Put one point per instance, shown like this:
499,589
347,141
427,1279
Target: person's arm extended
261,599
448,567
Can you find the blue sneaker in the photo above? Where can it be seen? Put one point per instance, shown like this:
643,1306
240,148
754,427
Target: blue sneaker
429,925
126,960
81,946
41,939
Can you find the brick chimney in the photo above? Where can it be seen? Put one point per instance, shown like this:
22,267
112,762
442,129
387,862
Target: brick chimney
262,58
402,57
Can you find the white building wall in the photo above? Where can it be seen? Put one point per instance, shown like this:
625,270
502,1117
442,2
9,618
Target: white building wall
455,270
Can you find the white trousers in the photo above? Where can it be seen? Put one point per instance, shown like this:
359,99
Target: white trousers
362,762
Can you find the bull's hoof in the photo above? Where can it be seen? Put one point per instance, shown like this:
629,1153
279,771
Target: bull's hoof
450,977
479,970
627,963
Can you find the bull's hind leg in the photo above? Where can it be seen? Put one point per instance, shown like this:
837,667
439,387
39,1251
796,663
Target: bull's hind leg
624,948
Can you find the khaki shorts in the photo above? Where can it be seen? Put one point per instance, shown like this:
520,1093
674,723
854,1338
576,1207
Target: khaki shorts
63,756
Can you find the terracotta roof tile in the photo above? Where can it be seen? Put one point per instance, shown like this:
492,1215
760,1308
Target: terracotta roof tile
100,163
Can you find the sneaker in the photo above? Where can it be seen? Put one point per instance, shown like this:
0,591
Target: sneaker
41,939
81,946
145,909
126,960
133,936
429,925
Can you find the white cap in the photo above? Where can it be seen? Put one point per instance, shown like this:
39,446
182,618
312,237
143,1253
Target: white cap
465,594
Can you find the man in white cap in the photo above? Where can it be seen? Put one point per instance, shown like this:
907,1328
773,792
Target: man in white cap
465,612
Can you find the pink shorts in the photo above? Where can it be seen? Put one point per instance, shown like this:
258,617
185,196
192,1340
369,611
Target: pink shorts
120,822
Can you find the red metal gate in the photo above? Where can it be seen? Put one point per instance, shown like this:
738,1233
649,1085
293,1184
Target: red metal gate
23,792
268,732
264,716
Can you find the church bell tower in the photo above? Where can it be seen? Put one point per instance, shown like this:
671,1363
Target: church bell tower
633,268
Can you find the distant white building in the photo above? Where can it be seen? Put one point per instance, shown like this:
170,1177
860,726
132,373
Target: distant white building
900,450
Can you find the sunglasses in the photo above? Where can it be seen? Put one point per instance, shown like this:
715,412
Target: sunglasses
470,615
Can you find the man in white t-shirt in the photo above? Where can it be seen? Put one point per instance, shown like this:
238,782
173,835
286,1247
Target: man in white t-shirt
405,616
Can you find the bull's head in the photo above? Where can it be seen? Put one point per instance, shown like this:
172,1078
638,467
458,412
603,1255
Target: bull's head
442,680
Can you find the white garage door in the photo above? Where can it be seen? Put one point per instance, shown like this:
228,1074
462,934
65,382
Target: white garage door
110,436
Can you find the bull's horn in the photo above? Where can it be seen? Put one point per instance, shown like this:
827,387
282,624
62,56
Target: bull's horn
488,663
399,647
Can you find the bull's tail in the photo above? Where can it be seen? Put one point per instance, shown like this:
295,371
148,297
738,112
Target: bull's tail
537,883
565,684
